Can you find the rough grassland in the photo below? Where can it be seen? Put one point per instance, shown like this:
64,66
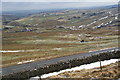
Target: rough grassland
55,44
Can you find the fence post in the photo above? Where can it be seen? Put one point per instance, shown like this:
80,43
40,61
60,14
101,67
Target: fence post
100,66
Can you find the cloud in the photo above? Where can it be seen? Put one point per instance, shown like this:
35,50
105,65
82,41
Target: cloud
60,0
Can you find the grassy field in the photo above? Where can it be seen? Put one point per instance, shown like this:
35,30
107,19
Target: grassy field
39,46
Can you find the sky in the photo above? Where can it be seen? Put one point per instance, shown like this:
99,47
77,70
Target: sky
15,5
59,0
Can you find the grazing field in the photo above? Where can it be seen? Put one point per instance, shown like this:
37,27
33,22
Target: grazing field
55,34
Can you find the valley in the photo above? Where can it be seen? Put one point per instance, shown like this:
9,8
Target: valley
53,34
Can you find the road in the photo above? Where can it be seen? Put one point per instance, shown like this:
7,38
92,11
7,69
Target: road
36,64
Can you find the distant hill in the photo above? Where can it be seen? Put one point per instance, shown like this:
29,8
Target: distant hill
55,17
24,13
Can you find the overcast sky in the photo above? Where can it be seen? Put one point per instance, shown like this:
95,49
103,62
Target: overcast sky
13,5
59,0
